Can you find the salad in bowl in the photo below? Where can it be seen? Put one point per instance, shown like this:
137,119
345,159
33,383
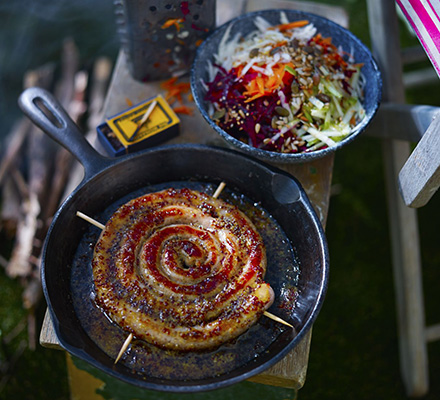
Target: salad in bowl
285,85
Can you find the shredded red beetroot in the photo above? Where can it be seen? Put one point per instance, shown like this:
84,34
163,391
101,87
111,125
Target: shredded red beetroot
285,93
227,92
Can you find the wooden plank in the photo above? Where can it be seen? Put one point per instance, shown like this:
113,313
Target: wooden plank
402,220
432,333
334,13
407,122
413,54
48,338
419,178
315,177
291,371
417,78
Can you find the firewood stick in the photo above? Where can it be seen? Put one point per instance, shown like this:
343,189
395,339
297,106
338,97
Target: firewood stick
70,92
3,261
99,225
19,264
42,152
14,143
63,158
32,294
38,171
19,182
14,192
10,212
99,79
70,59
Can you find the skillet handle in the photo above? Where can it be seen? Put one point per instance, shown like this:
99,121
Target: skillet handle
48,114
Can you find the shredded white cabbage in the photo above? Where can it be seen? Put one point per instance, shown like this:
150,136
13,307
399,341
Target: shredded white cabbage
319,113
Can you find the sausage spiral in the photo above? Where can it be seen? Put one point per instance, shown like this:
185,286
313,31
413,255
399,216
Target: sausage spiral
181,270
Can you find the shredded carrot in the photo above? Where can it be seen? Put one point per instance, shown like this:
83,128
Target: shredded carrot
279,44
353,120
174,92
168,83
183,110
260,84
251,87
129,102
180,41
263,85
325,42
253,97
177,22
172,95
174,89
271,82
239,69
290,25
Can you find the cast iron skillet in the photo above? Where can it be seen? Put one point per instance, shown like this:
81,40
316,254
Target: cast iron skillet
108,180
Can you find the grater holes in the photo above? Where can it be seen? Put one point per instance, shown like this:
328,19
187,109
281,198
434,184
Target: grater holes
153,8
196,17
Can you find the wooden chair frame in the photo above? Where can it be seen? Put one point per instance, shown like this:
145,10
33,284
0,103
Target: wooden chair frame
411,179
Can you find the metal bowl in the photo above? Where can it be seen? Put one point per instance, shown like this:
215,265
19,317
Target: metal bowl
340,37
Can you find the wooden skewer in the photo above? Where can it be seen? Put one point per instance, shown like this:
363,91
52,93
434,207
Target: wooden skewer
90,220
219,190
101,226
144,119
124,347
130,336
275,318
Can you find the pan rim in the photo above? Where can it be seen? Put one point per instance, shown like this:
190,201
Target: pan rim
189,385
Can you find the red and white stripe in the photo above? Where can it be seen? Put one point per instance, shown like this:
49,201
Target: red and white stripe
424,17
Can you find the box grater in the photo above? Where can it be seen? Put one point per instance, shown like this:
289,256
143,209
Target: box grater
160,38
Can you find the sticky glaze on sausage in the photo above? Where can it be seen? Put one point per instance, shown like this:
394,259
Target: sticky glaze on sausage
181,269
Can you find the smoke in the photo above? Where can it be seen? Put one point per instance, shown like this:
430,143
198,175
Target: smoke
32,33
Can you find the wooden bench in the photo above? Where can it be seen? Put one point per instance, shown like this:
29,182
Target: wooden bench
290,372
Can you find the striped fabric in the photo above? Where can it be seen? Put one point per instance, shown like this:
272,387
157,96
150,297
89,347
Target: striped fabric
424,17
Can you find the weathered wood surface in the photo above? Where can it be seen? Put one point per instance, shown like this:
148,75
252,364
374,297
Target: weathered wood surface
407,122
315,176
402,220
419,178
